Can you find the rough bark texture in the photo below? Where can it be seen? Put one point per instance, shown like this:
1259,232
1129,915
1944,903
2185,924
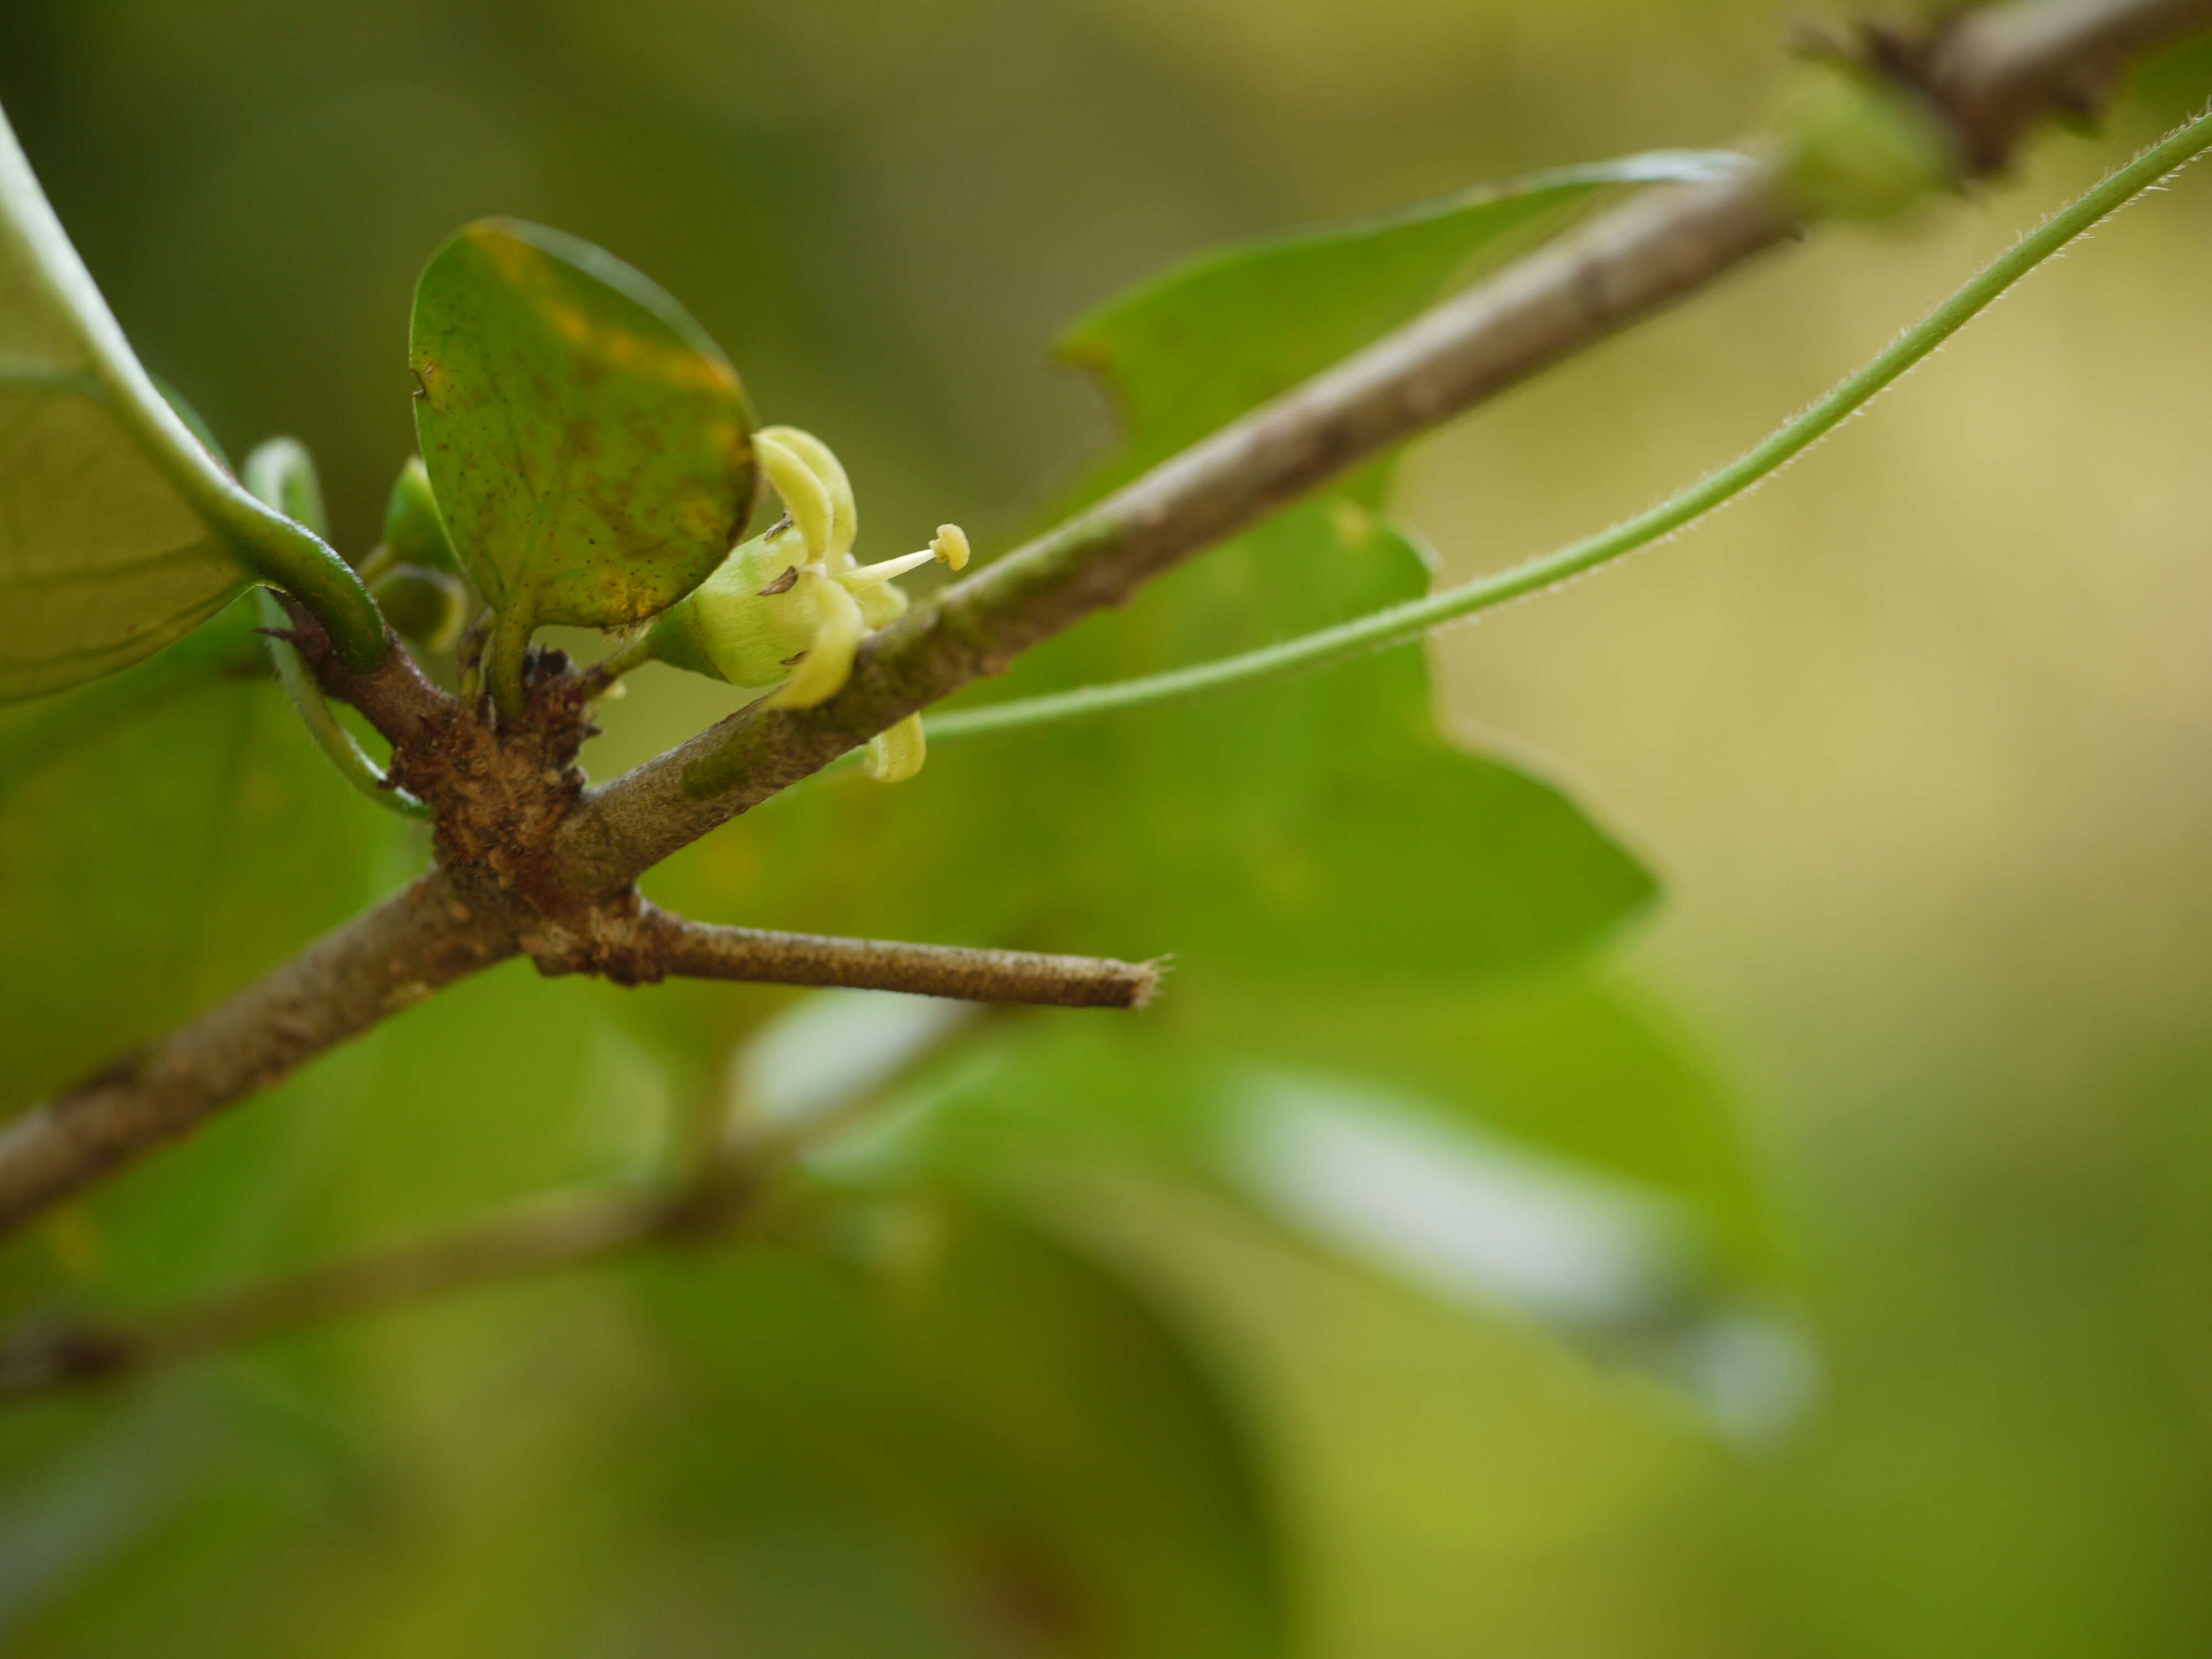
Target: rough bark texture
698,950
532,864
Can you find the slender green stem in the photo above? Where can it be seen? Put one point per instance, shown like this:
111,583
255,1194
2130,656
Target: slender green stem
603,676
281,473
1402,625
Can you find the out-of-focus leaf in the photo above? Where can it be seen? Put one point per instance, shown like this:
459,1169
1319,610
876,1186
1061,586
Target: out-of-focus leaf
833,1053
996,1449
590,447
1072,1471
1582,1068
1465,1213
1420,1445
937,1432
103,560
1205,341
1638,1258
150,863
1320,830
414,533
1316,831
506,1085
48,727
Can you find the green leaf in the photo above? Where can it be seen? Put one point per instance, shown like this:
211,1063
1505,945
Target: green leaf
889,1428
589,446
43,731
1318,831
102,560
1638,1253
118,530
413,533
1639,1230
1587,1070
1078,1474
1206,341
164,836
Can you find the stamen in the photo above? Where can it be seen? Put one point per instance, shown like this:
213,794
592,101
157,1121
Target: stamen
951,545
868,575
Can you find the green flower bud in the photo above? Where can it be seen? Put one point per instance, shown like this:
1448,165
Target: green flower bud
426,606
413,532
749,624
1858,147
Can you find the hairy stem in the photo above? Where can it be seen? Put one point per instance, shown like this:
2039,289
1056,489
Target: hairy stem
1403,624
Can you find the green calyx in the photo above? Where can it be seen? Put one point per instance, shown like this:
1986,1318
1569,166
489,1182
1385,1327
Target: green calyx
414,533
790,607
426,605
750,622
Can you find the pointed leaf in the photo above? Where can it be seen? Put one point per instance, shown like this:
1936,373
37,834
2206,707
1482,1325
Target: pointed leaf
1202,343
1318,832
164,836
102,560
119,531
1637,1257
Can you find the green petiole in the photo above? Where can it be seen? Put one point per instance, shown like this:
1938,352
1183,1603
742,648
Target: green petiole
281,474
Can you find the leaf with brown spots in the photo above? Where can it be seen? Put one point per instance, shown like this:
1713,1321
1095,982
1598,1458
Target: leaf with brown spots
590,447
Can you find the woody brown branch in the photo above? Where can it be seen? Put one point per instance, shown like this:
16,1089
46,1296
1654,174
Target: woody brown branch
1988,73
497,798
699,950
633,941
543,1236
738,1170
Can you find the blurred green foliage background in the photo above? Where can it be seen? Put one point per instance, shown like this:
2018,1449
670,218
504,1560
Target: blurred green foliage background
1901,1343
